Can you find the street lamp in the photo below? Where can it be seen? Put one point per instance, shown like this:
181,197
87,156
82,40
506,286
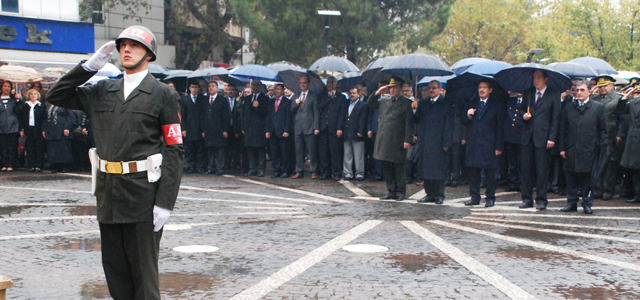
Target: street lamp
327,14
533,52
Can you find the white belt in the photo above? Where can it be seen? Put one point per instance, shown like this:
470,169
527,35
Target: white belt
122,167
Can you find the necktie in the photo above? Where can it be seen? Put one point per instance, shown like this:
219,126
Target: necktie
211,100
304,97
278,103
538,98
193,98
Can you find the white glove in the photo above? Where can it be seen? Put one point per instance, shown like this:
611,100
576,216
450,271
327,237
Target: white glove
100,58
160,216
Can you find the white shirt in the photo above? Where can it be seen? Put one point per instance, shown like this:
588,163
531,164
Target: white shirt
32,118
193,98
541,93
581,103
435,99
132,81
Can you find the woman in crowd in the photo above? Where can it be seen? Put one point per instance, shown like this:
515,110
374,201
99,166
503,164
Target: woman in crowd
9,126
57,132
34,114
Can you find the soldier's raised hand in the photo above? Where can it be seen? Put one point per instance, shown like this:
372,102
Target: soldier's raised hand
100,58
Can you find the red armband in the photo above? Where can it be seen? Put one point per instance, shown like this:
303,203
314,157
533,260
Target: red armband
172,134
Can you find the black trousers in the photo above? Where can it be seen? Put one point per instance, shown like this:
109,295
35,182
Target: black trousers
130,260
394,176
512,153
434,188
330,152
215,158
233,157
256,157
372,165
280,158
579,182
456,158
8,148
534,165
491,181
35,147
557,173
194,153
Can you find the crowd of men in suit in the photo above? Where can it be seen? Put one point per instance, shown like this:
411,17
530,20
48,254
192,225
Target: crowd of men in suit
551,140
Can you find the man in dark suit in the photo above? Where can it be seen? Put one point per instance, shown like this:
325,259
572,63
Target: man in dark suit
485,142
395,135
279,132
191,109
307,127
234,148
355,126
434,117
332,106
583,136
254,113
215,128
513,127
538,137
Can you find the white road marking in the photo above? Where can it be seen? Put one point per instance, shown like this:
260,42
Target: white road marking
554,231
421,193
173,215
543,246
579,226
85,232
307,193
558,216
77,175
354,188
186,187
302,264
234,214
487,274
5,204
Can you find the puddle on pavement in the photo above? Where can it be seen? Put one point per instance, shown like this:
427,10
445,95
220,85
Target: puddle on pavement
81,211
417,263
76,244
408,210
175,284
596,292
8,210
532,254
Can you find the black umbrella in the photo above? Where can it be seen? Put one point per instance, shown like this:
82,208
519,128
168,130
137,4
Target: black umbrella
208,72
179,78
600,65
373,72
520,78
333,64
289,73
414,66
464,88
347,80
158,70
574,69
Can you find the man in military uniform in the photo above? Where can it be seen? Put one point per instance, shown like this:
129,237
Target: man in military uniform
395,134
607,95
139,159
513,126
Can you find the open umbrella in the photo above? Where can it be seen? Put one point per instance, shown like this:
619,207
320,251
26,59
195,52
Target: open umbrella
461,66
573,70
600,65
179,78
347,80
158,70
487,67
333,64
208,72
411,67
373,72
289,73
442,79
520,78
285,65
255,72
464,88
19,74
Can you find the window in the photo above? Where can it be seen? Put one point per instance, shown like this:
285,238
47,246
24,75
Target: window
9,6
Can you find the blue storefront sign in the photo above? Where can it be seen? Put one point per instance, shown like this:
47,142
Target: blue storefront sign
46,35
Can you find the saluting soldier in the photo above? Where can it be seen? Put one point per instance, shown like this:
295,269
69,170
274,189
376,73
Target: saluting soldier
139,161
395,134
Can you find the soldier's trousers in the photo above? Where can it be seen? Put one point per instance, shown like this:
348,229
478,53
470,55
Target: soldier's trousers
130,260
394,176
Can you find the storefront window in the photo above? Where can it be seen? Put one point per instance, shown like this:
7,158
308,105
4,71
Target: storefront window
9,6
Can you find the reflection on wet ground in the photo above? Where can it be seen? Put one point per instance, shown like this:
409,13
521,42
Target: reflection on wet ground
389,211
417,263
613,291
81,211
531,254
75,244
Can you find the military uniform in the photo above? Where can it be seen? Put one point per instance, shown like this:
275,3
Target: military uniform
608,179
395,127
127,131
513,126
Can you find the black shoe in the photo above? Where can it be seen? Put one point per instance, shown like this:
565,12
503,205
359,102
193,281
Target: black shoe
348,177
260,173
555,190
399,197
570,208
388,197
490,203
439,200
219,172
275,175
525,205
378,178
512,188
284,175
471,202
633,200
359,177
426,199
209,171
251,173
454,183
541,206
606,196
448,183
587,210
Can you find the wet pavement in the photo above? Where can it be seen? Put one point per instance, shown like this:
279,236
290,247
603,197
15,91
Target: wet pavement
283,239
